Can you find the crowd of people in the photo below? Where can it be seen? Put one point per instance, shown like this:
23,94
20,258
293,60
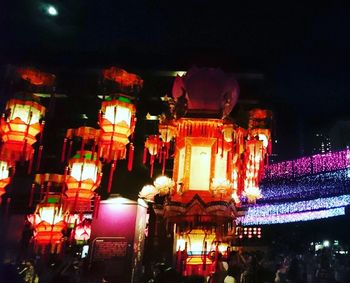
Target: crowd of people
259,267
238,267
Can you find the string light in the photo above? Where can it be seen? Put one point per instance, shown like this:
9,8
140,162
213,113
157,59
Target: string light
319,185
300,206
293,217
309,165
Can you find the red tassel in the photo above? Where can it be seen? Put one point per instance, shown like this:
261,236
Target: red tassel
30,164
144,157
82,147
42,131
152,165
38,161
131,156
31,196
47,192
229,165
63,154
76,200
64,180
41,192
69,149
164,161
111,176
97,206
222,145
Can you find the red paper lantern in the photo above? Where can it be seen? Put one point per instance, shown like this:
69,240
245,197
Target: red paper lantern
20,125
83,179
117,122
36,77
48,222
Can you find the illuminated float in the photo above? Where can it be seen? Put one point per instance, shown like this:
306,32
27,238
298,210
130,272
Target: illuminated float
215,163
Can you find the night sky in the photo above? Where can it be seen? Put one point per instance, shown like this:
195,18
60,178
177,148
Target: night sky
300,48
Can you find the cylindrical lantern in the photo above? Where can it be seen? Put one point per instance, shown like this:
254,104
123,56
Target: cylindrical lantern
48,222
117,121
19,127
83,178
167,131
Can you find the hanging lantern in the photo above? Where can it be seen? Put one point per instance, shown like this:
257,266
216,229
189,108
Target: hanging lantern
82,231
83,179
228,131
123,78
167,131
37,78
117,121
48,222
88,136
153,146
4,177
19,127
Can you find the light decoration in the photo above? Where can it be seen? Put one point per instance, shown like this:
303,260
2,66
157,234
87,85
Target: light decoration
148,193
300,206
293,217
117,121
48,183
164,185
215,161
83,179
152,147
254,159
19,128
308,186
48,222
82,231
4,177
221,186
197,251
117,118
248,232
309,165
36,77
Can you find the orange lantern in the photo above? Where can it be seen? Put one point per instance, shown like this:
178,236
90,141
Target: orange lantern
86,134
153,146
36,77
48,221
83,179
82,231
117,122
19,127
122,77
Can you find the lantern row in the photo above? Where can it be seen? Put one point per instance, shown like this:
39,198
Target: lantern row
319,185
309,165
293,217
299,206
